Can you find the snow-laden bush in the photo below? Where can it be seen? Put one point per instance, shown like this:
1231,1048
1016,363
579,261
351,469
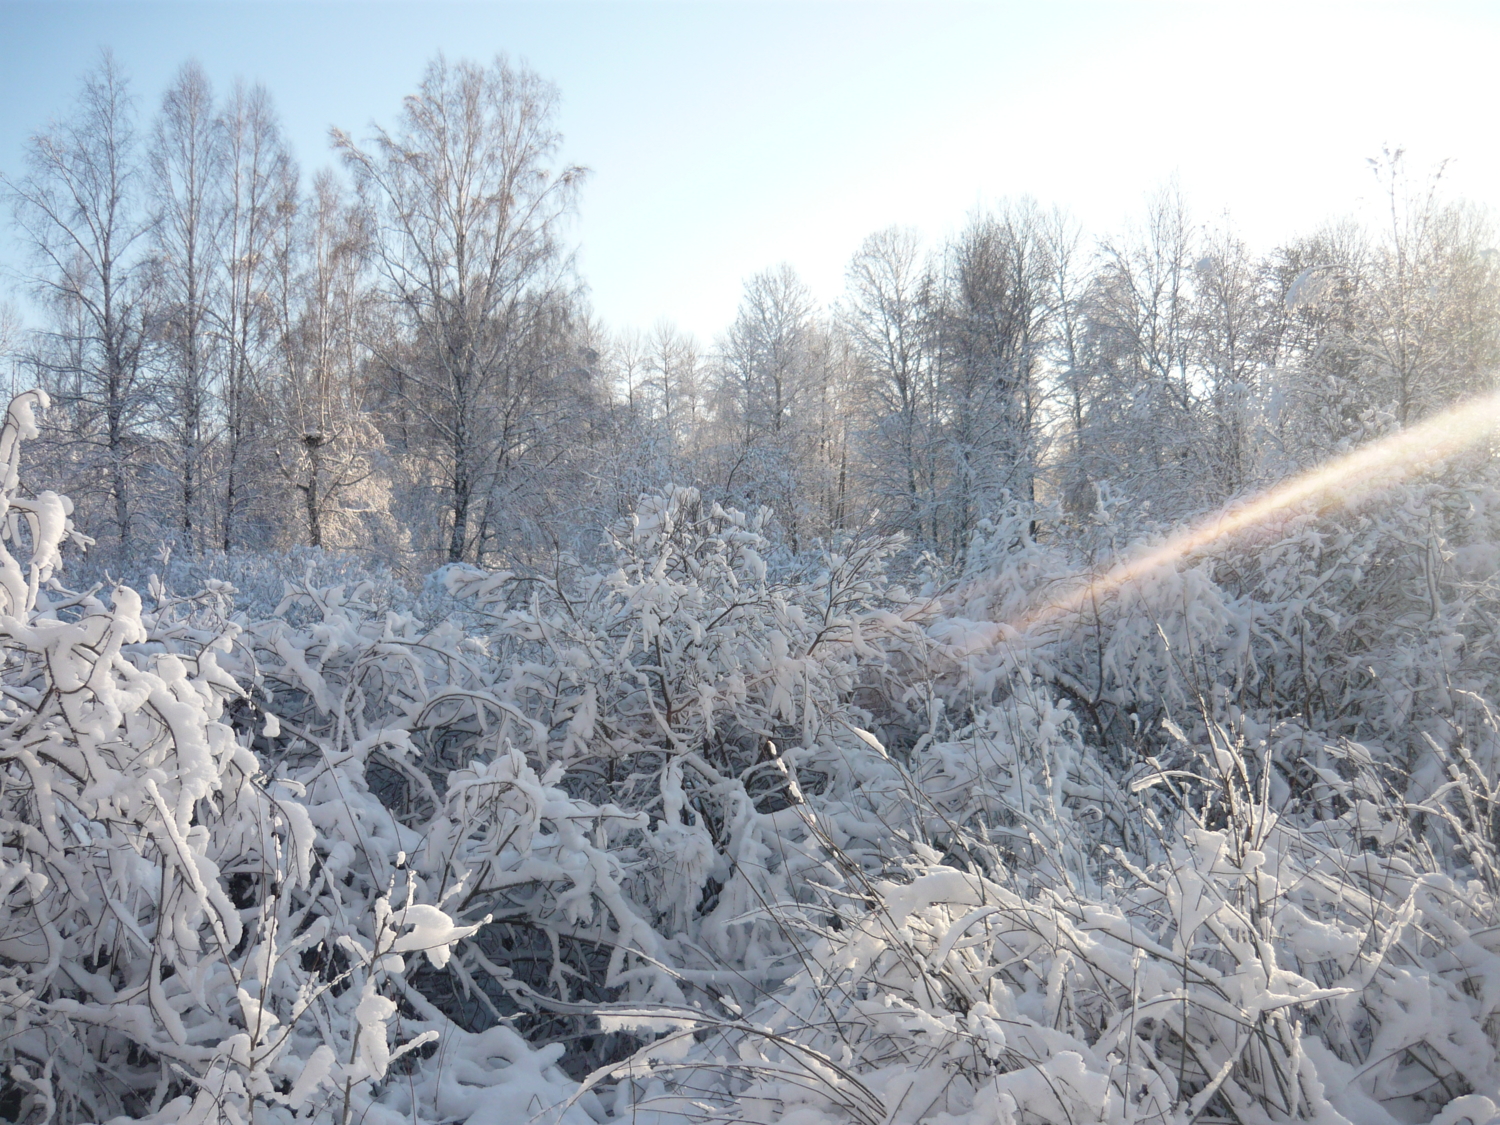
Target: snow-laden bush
178,939
601,762
693,642
1137,868
1371,623
712,833
1258,972
1351,654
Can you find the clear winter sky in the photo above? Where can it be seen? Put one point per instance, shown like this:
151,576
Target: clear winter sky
726,137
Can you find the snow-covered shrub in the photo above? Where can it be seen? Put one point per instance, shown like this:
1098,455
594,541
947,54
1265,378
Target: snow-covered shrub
1372,622
176,940
683,682
253,581
1351,654
1257,970
693,642
1376,624
594,776
729,834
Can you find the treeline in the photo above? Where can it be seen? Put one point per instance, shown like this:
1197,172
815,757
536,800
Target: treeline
241,360
402,360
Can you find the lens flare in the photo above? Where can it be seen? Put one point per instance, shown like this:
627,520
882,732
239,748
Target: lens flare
1341,482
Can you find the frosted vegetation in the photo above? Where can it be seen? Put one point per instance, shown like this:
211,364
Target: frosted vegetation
852,783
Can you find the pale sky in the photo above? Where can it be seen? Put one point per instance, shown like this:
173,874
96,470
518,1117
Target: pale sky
724,138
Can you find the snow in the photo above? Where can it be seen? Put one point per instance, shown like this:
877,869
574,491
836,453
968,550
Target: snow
711,833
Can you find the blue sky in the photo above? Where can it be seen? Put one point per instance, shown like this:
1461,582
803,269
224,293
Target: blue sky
726,137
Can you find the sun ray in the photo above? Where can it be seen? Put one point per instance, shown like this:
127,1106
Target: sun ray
1340,482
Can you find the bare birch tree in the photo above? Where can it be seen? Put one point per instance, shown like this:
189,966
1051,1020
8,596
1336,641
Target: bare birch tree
470,209
79,208
186,166
325,441
260,187
990,323
885,316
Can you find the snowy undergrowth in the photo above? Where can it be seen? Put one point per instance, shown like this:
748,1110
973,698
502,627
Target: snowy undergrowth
716,833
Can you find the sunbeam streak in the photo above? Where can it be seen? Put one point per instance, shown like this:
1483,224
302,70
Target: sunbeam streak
1340,482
